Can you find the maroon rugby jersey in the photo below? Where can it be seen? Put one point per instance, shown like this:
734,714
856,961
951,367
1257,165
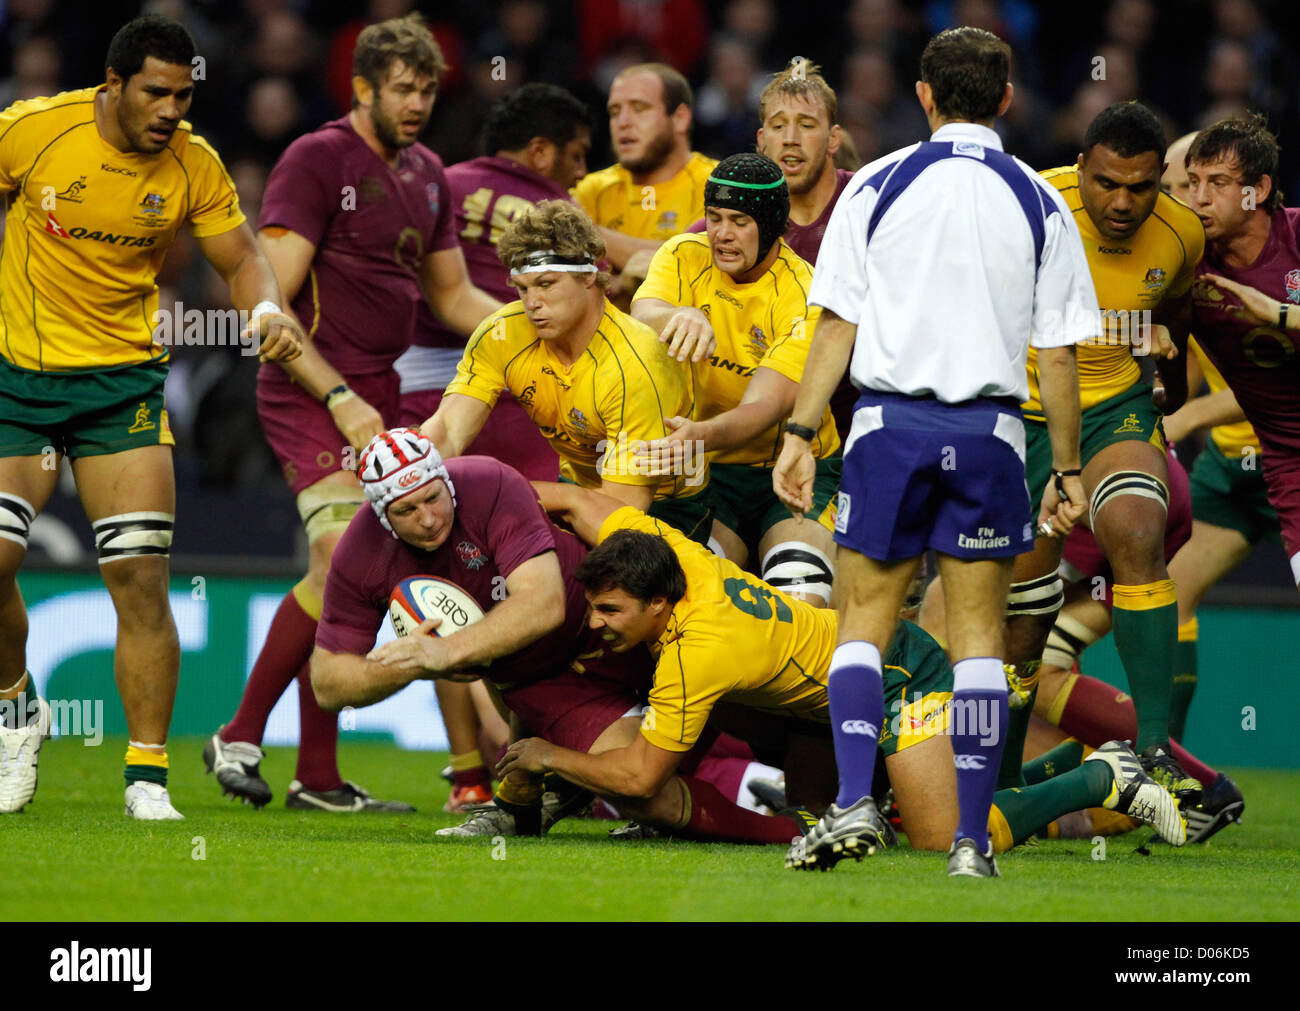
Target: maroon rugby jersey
372,226
1259,361
486,194
806,240
498,525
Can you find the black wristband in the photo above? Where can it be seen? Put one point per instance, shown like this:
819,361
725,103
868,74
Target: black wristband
1282,310
340,388
1059,477
802,431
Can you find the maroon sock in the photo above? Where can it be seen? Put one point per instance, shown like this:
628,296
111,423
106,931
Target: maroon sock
318,764
477,776
289,643
715,818
1097,712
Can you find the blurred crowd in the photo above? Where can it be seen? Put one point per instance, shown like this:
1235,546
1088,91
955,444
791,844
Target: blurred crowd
274,69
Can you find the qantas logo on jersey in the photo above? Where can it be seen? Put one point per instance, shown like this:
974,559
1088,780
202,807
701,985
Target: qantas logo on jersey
113,238
736,367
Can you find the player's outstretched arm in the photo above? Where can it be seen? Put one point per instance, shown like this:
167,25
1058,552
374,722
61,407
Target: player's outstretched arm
254,289
1210,411
640,770
1258,307
584,510
534,605
455,424
347,679
451,294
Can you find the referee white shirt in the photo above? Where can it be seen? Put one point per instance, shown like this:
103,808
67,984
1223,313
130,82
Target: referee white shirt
952,257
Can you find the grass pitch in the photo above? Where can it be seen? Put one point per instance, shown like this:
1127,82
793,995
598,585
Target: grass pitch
82,860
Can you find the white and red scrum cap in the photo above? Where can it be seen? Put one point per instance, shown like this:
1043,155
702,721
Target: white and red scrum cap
396,463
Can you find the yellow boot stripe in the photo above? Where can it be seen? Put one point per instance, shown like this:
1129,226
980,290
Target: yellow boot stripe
1062,698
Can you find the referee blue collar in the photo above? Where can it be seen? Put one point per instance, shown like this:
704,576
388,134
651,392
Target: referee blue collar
968,131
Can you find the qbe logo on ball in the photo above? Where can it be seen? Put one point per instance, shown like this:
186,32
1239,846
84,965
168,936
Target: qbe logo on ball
420,597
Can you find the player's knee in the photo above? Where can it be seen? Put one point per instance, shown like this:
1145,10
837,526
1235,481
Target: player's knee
1130,506
1036,599
797,567
123,539
326,509
324,687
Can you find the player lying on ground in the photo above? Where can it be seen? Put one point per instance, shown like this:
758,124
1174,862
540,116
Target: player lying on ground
727,289
719,633
82,372
477,523
1092,711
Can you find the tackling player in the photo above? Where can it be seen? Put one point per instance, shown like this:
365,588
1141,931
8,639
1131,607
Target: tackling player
537,138
1142,247
477,522
719,634
743,286
1246,295
357,222
99,181
593,379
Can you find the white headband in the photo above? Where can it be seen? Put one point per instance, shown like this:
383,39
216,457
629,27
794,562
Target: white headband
544,260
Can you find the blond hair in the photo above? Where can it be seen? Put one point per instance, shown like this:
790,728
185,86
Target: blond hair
554,225
801,79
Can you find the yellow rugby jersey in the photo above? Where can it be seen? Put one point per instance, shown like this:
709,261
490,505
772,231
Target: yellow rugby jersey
595,411
1131,275
657,211
731,636
87,229
766,324
1231,439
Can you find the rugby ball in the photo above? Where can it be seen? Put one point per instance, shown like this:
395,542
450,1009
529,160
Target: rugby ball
420,597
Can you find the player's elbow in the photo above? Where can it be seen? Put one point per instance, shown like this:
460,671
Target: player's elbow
645,784
325,683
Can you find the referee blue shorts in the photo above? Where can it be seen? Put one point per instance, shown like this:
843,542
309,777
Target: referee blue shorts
922,474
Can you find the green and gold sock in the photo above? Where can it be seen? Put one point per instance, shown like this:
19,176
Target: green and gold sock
1061,759
145,766
1019,813
1146,630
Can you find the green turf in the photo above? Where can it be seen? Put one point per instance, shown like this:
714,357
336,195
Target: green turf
72,855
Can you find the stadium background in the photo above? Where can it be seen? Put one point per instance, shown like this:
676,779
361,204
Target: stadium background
274,69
